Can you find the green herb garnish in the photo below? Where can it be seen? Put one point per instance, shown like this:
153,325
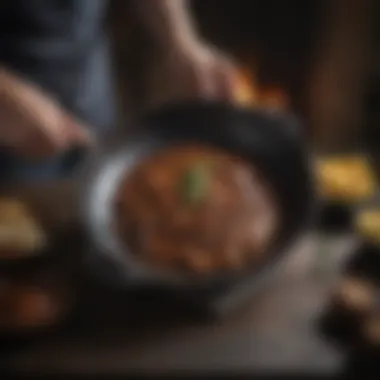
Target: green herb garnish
195,183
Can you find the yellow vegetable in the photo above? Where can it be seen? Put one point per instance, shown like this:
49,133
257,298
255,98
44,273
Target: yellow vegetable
348,179
368,224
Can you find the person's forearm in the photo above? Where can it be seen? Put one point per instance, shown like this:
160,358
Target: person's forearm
167,21
6,86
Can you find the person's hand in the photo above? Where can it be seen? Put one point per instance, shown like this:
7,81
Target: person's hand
32,124
192,70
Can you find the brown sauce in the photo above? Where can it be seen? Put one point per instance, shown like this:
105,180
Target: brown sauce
198,209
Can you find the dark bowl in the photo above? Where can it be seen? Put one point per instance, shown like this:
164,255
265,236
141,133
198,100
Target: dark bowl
271,141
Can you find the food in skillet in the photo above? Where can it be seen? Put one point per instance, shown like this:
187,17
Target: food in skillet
20,234
198,209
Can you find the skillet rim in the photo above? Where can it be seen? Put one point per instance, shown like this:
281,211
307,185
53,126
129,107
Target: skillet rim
152,127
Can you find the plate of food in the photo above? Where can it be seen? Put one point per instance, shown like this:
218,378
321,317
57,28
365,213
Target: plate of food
201,194
35,274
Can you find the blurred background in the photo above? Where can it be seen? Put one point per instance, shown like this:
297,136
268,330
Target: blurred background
318,59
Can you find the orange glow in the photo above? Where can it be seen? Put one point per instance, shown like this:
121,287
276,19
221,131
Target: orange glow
246,88
250,93
275,98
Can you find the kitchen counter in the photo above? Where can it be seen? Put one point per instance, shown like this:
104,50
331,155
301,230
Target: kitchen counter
275,329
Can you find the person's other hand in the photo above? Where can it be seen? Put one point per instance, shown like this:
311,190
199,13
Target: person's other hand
192,70
32,124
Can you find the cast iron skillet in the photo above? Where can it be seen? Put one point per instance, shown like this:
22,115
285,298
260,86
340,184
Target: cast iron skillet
270,140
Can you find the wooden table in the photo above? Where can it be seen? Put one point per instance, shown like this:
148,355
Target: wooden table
271,331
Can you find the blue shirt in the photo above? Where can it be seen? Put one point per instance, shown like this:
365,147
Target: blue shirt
60,45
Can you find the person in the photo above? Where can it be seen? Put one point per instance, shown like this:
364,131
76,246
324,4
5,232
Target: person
56,87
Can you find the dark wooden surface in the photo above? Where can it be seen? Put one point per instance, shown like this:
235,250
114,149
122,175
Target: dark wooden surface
273,330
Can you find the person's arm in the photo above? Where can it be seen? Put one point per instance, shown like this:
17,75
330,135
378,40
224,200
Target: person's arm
168,22
185,66
31,122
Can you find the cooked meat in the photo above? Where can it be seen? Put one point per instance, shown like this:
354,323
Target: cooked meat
197,208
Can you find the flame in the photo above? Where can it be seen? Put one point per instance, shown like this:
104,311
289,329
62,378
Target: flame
250,93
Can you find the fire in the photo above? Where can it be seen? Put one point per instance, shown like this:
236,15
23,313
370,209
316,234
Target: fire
250,93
